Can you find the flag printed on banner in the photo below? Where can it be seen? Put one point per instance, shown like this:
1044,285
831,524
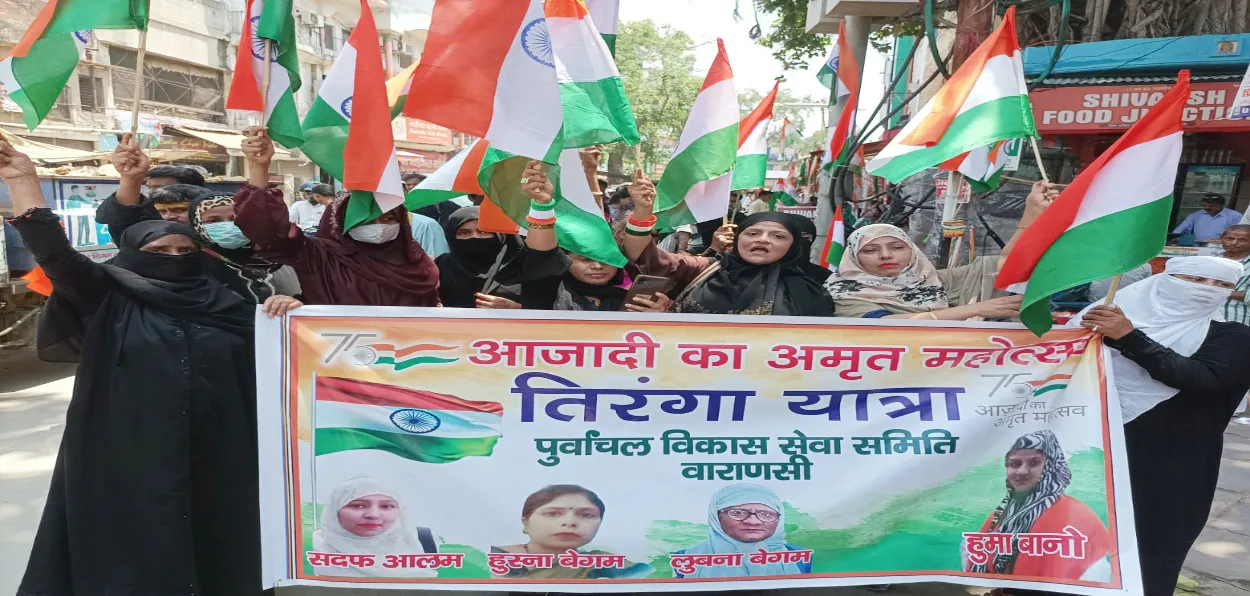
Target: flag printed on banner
37,69
492,64
982,167
397,89
751,166
421,426
456,178
1118,208
247,86
847,94
695,185
606,14
1057,382
595,109
835,241
401,357
785,191
985,101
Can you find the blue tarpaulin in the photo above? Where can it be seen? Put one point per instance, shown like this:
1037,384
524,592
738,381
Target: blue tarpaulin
1164,54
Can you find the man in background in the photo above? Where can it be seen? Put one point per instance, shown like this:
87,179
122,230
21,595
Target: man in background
170,175
306,213
1208,224
1236,243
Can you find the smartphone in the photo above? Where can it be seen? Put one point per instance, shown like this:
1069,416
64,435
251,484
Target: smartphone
647,285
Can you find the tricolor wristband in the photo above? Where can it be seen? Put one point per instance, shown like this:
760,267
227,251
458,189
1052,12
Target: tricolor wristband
542,213
635,227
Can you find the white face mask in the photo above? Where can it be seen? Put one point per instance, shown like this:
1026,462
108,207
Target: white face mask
374,233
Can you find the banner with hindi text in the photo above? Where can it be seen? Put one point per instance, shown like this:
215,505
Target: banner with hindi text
592,452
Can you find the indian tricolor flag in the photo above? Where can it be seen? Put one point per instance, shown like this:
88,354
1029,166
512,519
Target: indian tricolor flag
784,189
402,357
606,14
489,69
418,425
37,69
1118,209
456,178
784,135
269,20
352,139
982,167
986,100
695,186
835,241
1051,383
591,93
846,93
397,89
751,167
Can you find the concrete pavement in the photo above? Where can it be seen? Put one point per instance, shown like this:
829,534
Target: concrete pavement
34,395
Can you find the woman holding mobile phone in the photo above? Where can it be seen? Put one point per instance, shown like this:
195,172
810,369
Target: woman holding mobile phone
554,279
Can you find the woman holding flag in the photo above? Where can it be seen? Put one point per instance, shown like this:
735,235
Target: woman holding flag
1180,371
884,274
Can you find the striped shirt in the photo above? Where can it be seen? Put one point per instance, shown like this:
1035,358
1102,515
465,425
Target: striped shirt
1237,311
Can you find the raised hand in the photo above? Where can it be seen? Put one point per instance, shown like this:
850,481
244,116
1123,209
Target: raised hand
129,160
14,164
535,183
642,191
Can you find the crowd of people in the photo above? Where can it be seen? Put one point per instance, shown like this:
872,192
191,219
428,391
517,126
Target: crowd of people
162,423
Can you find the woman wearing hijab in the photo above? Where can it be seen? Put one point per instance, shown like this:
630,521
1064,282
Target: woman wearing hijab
556,280
1180,371
742,519
376,263
560,518
365,516
883,274
482,270
231,259
761,274
807,232
1037,481
155,486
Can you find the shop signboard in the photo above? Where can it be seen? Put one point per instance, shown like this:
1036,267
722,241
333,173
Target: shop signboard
1241,103
420,131
173,142
1108,108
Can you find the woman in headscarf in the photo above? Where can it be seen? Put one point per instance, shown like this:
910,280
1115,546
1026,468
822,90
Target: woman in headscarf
761,274
376,263
560,518
742,519
231,259
1180,371
883,274
807,232
1037,480
557,280
155,486
365,516
483,269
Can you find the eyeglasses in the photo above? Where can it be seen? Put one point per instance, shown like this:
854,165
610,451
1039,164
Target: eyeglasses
742,515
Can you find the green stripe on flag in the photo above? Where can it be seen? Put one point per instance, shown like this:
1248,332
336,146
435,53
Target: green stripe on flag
1006,118
610,39
422,448
277,22
325,137
411,362
284,125
81,15
1049,388
1138,235
709,156
39,78
597,113
750,171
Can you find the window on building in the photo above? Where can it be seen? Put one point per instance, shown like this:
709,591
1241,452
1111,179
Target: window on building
327,38
167,82
60,111
346,34
91,93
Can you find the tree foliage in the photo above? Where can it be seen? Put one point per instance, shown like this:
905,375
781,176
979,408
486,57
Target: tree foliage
792,46
657,69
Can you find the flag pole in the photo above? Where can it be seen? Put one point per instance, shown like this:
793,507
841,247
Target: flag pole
264,85
312,449
1037,154
1115,286
134,113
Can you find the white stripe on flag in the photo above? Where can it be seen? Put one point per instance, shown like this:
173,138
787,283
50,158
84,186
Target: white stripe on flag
1125,181
709,199
445,177
340,83
465,424
715,107
390,191
757,142
527,112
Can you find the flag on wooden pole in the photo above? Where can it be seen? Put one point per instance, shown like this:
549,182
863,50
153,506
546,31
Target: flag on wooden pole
751,166
37,69
247,89
1117,209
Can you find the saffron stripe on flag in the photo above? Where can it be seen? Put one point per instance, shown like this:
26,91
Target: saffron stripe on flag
377,394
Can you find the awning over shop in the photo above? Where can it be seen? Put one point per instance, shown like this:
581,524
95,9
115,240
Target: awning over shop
50,154
232,141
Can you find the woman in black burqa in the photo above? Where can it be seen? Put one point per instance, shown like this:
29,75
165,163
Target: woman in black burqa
155,485
483,270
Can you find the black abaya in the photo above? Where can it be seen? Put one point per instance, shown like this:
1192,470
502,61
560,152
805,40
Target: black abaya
155,485
1174,449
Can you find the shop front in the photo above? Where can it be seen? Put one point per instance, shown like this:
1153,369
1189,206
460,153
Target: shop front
1080,121
420,146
